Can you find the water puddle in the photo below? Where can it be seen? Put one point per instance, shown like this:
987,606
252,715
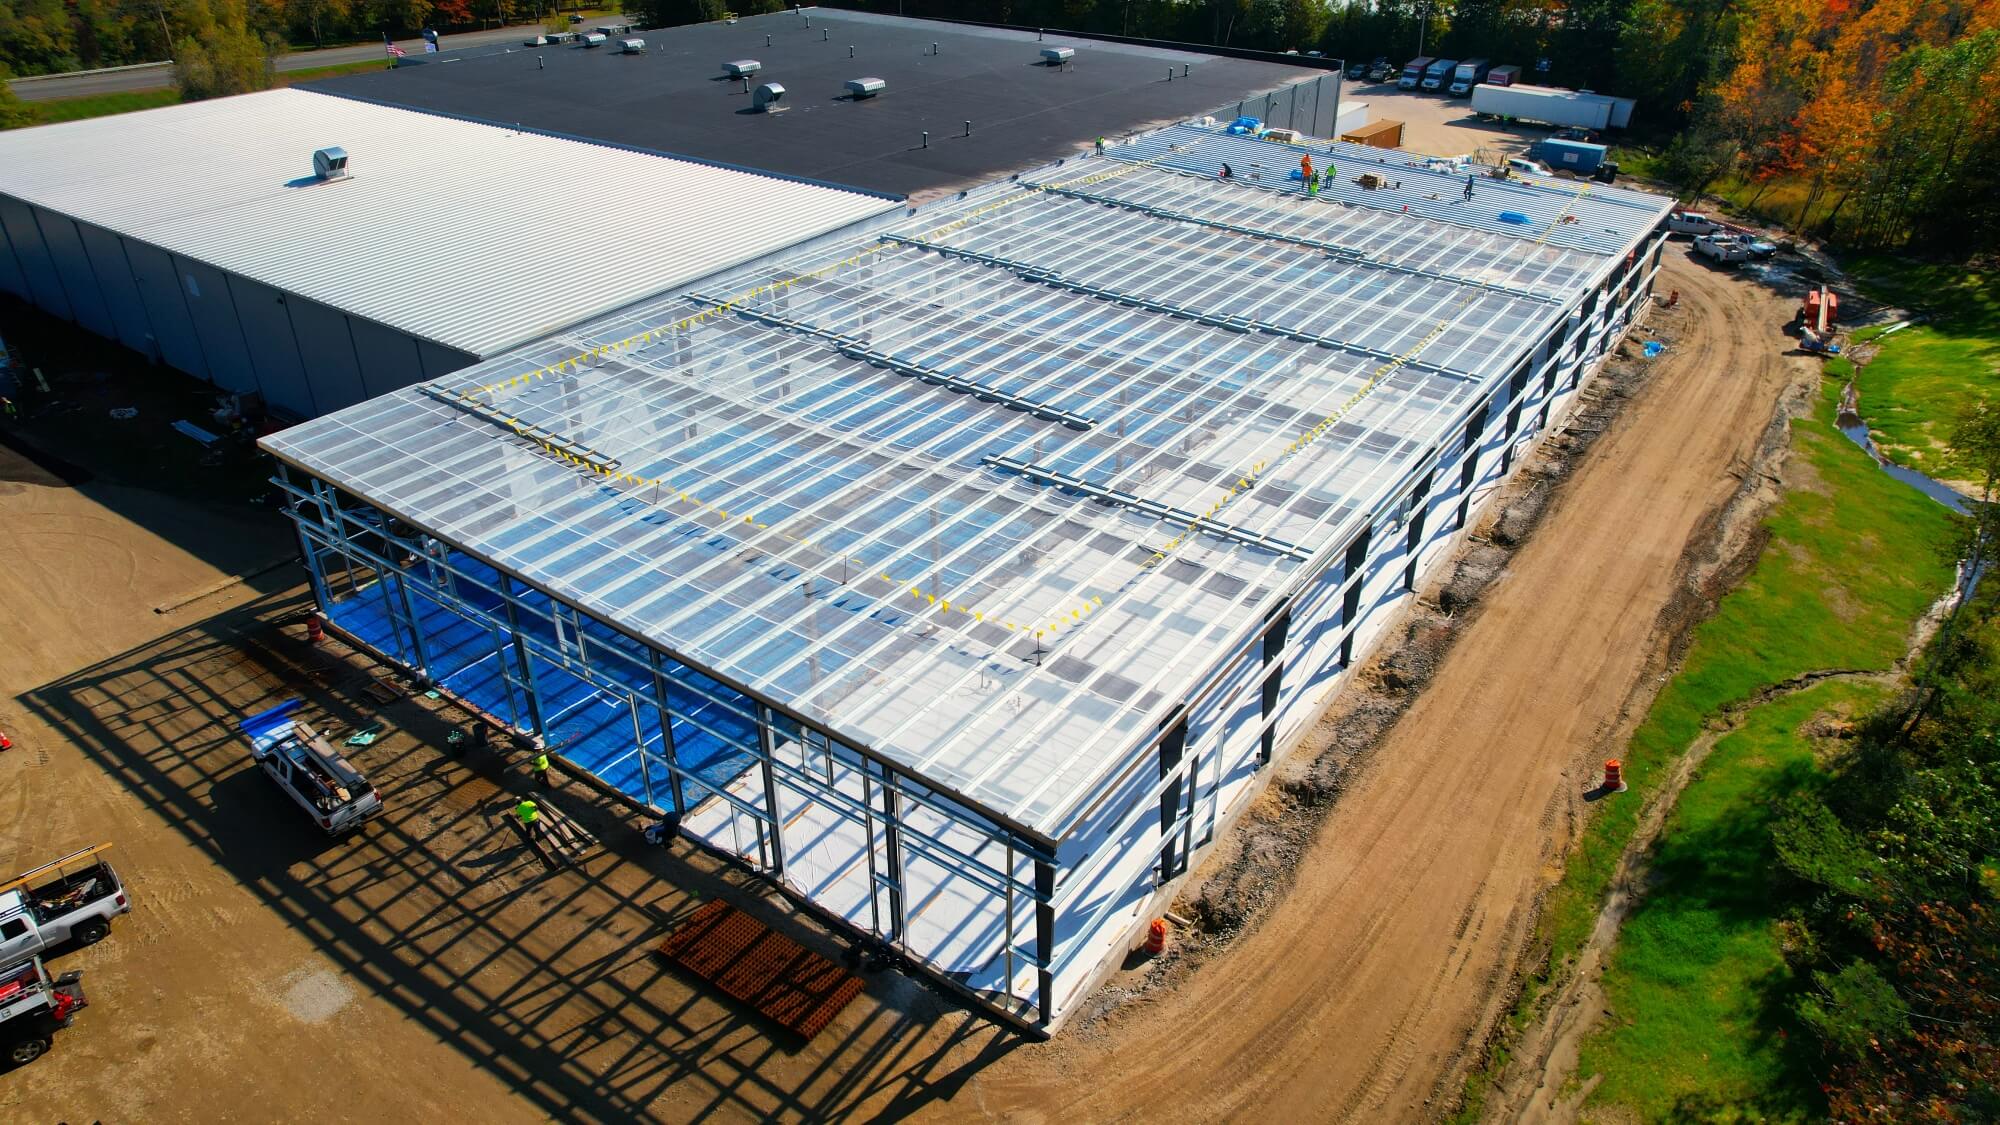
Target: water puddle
1850,423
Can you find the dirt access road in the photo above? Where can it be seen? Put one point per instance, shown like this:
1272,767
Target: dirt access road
428,968
1361,993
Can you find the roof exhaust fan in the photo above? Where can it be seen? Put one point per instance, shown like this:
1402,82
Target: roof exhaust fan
330,163
769,98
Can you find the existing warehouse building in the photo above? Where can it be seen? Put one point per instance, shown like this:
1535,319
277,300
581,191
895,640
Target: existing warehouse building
936,77
199,236
962,571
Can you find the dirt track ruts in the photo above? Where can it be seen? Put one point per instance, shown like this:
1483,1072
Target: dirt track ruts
1361,993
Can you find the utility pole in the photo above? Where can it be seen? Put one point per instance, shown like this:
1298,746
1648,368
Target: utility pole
1423,25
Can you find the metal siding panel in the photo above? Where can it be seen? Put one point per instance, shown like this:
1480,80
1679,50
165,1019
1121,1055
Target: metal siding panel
120,292
174,337
44,286
327,351
86,301
440,361
274,350
215,321
388,357
11,277
247,208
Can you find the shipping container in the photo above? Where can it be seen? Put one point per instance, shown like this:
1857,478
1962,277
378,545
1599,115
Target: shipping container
1508,75
1580,157
1380,134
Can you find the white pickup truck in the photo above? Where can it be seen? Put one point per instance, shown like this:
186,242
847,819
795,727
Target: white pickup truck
310,771
33,1007
73,899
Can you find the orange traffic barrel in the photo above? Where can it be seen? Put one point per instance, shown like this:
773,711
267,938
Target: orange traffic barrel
1614,776
1156,936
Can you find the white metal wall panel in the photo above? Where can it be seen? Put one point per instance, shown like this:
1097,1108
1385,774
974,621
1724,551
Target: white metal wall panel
160,289
440,361
388,358
11,278
214,313
274,350
86,303
44,286
327,350
437,232
120,292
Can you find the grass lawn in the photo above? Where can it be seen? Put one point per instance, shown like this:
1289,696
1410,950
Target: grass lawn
1697,983
1851,564
1913,390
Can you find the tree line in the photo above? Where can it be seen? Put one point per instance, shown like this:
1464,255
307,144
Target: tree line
1871,122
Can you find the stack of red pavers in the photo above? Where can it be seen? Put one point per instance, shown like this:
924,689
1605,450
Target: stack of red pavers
789,984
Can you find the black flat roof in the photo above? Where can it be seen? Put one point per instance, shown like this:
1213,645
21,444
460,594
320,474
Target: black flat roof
674,99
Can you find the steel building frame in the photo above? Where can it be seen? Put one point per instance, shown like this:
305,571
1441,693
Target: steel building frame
1013,897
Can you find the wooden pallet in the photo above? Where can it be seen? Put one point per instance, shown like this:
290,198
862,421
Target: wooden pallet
787,983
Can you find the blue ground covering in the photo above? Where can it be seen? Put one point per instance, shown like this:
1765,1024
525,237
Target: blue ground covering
586,726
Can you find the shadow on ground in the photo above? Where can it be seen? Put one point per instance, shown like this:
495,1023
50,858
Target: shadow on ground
545,979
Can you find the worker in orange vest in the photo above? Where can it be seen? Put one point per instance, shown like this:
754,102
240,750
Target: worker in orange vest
1306,172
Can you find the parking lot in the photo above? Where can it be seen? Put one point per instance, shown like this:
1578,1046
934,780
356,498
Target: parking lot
1440,126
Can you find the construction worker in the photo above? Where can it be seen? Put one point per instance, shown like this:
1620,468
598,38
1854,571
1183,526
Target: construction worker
529,814
1306,171
541,766
1468,186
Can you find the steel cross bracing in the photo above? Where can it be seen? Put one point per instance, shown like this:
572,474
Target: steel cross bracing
975,327
1350,253
1144,506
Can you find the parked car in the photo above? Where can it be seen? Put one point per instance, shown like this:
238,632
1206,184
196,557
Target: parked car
34,1006
1357,71
310,771
1691,222
1380,69
1725,248
1577,133
74,898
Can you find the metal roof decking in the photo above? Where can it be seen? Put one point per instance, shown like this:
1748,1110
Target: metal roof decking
816,493
1605,218
449,231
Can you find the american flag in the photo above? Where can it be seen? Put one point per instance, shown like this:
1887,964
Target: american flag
395,52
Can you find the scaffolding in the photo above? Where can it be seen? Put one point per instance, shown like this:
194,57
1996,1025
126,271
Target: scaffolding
961,573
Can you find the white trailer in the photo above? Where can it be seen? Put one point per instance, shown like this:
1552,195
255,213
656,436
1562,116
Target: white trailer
1580,108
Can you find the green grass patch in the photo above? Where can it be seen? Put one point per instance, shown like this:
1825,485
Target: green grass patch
1914,389
1852,562
101,105
1697,982
291,77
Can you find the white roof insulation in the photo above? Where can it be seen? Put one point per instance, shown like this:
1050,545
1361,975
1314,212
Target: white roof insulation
466,235
933,486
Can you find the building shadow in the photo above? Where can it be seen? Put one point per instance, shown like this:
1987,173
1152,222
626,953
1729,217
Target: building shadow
546,979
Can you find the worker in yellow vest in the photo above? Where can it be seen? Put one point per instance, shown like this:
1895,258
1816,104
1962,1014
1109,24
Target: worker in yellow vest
529,814
541,766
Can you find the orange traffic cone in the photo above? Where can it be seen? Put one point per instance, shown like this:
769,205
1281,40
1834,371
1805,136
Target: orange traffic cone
315,628
5,742
1156,937
1614,776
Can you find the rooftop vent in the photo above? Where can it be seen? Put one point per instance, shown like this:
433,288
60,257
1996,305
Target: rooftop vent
859,88
1057,56
596,39
742,68
632,46
330,163
767,97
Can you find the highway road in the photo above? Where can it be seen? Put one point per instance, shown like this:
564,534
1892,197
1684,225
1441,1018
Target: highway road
161,75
